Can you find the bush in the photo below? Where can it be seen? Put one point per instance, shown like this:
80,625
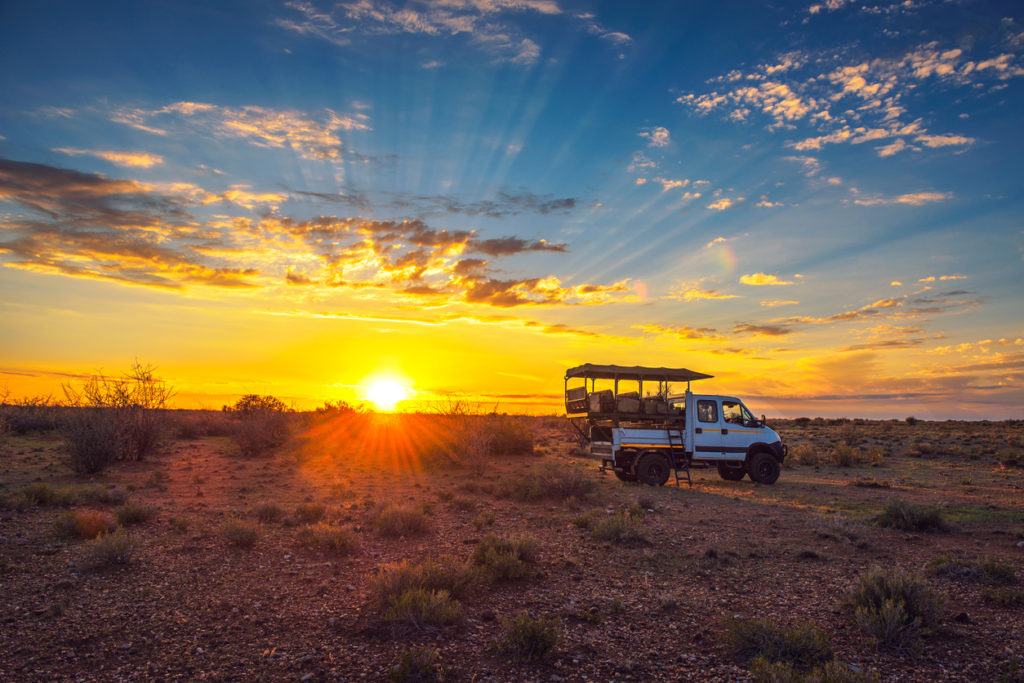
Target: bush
432,575
510,436
28,415
622,528
44,495
399,521
309,513
897,608
109,551
1007,597
257,434
803,646
419,665
899,514
134,513
269,512
418,609
84,524
332,539
239,533
552,481
766,671
128,410
505,559
529,638
805,454
845,455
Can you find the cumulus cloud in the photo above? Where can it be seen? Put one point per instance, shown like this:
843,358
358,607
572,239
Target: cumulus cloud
724,203
657,136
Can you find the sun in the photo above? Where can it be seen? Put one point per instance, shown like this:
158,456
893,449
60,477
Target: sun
386,392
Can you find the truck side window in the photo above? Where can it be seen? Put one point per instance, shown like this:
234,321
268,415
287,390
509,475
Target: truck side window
707,411
732,412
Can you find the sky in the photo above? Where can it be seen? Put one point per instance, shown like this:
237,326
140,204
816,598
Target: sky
818,203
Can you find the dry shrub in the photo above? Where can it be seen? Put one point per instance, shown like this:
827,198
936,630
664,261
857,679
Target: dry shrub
621,528
845,455
529,638
135,513
899,514
805,454
109,551
419,665
505,559
329,538
310,513
803,646
550,481
239,532
419,609
895,607
269,512
392,520
766,671
84,524
432,575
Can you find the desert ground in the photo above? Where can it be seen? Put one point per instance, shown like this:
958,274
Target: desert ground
291,565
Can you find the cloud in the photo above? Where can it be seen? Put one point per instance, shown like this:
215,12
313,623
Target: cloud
493,26
911,199
717,240
312,138
762,279
657,136
87,225
761,330
944,140
695,292
772,303
932,278
128,159
724,203
681,332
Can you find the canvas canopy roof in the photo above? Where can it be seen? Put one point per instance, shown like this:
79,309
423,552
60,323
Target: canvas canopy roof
638,372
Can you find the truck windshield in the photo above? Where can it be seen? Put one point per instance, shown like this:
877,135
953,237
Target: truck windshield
736,413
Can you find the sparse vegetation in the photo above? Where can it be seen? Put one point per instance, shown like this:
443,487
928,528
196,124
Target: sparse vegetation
418,609
766,671
394,521
432,575
621,528
551,481
802,646
896,607
329,538
309,513
135,513
528,638
269,513
109,551
239,532
419,665
505,558
84,524
906,516
261,424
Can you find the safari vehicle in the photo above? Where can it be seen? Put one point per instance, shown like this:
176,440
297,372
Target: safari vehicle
646,437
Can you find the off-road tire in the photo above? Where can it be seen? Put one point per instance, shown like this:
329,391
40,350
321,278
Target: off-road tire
653,469
730,473
624,476
763,468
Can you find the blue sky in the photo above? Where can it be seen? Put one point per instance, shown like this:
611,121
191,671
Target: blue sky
819,202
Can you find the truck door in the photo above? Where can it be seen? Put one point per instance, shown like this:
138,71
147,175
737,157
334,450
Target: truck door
707,437
738,428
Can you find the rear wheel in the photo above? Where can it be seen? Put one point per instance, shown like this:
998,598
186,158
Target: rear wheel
652,469
731,472
764,468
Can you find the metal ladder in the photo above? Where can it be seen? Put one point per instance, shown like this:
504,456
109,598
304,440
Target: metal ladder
675,442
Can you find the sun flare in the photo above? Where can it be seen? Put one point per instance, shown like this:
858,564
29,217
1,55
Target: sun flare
385,393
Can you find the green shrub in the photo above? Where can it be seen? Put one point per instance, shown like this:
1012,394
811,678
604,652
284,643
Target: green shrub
109,551
332,539
399,521
896,607
766,671
899,514
101,496
239,532
309,513
994,571
84,524
419,665
135,513
505,559
622,528
432,575
484,519
269,512
529,638
803,646
417,609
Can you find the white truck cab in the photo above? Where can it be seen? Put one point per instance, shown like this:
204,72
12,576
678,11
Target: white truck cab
645,439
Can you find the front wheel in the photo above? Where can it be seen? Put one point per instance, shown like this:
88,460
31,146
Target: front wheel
764,468
730,472
652,469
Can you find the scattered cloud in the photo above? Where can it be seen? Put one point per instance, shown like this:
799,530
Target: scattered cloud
772,303
681,332
932,278
761,330
693,291
724,203
657,136
911,199
312,138
128,159
763,279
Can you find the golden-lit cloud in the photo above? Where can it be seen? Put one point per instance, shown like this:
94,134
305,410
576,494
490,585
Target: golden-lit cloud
127,159
932,278
657,136
312,138
910,199
724,203
693,291
681,332
772,303
763,279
